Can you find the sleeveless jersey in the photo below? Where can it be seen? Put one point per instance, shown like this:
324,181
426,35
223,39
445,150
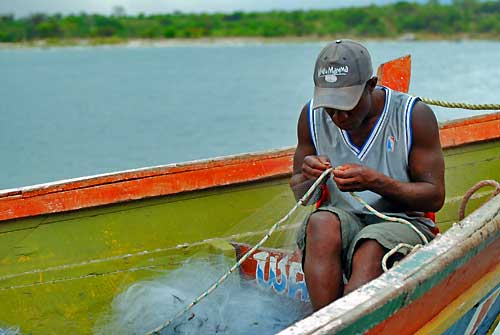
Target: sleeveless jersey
386,150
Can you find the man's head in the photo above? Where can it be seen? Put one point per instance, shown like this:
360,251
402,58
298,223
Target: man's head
340,75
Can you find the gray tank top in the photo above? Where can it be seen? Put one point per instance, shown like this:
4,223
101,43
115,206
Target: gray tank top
386,149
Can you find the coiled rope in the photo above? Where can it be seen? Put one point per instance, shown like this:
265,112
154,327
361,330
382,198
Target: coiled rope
462,105
299,203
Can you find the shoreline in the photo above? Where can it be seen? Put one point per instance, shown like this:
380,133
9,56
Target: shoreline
173,42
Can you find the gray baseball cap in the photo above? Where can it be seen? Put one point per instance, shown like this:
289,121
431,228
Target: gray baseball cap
340,74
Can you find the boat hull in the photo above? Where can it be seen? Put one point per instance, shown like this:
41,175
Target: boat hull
59,269
68,248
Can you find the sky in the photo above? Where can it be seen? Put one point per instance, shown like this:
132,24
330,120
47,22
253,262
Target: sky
22,8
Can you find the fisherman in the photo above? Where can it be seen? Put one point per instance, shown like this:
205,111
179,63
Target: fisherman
384,145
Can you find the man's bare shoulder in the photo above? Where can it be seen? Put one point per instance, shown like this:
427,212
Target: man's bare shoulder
303,124
304,112
422,112
425,127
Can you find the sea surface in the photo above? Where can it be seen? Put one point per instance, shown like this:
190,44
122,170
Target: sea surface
77,111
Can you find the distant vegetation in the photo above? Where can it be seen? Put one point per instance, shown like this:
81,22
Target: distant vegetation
469,17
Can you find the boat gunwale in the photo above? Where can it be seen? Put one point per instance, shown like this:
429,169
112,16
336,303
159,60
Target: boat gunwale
143,172
469,120
144,183
474,129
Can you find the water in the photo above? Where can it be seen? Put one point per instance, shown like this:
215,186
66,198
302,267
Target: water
70,112
236,307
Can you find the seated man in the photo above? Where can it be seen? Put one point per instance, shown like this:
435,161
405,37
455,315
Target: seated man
385,146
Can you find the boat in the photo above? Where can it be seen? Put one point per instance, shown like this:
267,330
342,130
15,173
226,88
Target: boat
67,248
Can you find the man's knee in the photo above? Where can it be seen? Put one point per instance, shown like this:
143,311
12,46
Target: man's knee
368,254
323,229
366,264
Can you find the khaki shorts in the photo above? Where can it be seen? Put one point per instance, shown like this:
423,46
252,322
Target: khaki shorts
358,227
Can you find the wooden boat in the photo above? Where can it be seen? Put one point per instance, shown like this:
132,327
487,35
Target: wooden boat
68,248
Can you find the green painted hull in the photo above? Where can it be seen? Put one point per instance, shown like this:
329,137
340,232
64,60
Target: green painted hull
465,166
60,272
92,255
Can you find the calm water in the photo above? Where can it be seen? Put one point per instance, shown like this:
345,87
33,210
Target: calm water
70,112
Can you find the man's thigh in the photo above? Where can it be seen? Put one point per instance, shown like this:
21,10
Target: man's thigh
350,226
388,235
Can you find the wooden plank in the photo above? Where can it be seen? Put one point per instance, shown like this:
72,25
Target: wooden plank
466,131
396,74
412,317
157,182
455,310
246,160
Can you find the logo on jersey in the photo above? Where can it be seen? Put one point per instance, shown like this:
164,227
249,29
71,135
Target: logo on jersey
391,143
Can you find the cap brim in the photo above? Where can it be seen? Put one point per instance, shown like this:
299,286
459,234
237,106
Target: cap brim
344,98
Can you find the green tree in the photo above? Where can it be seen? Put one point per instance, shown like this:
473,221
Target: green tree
462,16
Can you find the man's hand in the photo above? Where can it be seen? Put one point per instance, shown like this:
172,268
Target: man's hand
313,166
354,177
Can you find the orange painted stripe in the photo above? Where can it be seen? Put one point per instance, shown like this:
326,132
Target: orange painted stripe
415,315
471,130
248,159
138,185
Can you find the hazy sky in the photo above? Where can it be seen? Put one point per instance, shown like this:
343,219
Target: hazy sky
26,7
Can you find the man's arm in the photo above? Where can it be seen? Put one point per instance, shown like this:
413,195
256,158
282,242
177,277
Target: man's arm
306,165
426,190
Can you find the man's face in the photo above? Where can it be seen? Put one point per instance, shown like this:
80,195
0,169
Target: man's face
352,119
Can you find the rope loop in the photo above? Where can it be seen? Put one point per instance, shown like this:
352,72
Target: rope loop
394,250
472,190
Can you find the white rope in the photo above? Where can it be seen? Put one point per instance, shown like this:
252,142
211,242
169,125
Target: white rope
394,250
392,219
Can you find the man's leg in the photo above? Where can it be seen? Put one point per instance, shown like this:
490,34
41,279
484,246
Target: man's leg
323,262
366,264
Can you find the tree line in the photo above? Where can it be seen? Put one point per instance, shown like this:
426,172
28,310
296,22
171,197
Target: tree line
461,16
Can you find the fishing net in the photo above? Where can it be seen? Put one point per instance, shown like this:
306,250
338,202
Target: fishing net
238,307
9,331
264,296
